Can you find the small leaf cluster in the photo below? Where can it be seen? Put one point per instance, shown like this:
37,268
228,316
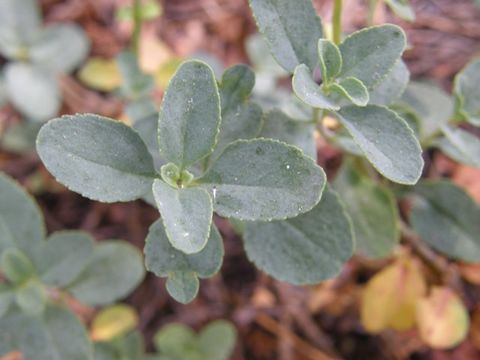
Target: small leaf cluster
40,274
38,56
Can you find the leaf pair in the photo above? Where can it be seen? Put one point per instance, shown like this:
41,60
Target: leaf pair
38,56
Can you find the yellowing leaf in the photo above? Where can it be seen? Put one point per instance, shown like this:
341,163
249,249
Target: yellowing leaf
100,74
166,71
153,52
442,319
113,321
390,297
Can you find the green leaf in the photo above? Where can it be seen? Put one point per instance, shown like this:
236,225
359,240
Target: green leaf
164,260
190,115
186,214
113,271
58,334
386,140
330,59
304,250
7,296
464,143
467,88
291,29
371,53
402,8
100,158
392,87
140,109
352,89
446,218
32,297
16,266
19,138
263,180
309,91
262,60
174,339
135,84
20,22
33,91
21,221
373,210
147,129
209,344
60,48
64,256
431,104
279,126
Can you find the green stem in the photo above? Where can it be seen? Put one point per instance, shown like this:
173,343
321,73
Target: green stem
137,26
337,21
372,5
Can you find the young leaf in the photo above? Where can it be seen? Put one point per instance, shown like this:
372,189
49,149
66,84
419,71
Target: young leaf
443,320
467,88
390,298
304,250
468,145
371,53
263,180
373,210
64,256
97,157
113,271
291,29
402,8
431,104
190,115
386,140
164,260
352,89
16,267
447,219
279,126
113,321
60,48
33,91
330,59
392,87
21,221
32,297
186,214
58,334
309,91
241,119
208,338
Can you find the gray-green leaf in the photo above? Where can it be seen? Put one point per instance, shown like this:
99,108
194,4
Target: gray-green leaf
352,89
402,8
187,215
371,53
467,90
464,143
447,219
330,59
32,297
392,87
100,158
304,250
164,260
209,336
113,271
263,180
190,115
309,91
373,210
291,29
279,126
386,140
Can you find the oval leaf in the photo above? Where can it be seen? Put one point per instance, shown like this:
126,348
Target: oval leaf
100,158
330,59
263,180
352,89
464,143
304,250
190,115
187,215
467,88
386,140
113,321
291,29
208,342
391,87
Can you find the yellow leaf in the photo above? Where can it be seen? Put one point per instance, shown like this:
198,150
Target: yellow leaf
100,74
113,321
442,319
153,52
166,71
389,299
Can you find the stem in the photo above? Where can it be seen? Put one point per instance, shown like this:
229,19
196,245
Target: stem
372,5
137,26
337,21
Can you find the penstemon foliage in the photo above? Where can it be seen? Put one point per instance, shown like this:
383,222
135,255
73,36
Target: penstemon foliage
213,149
38,56
42,273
